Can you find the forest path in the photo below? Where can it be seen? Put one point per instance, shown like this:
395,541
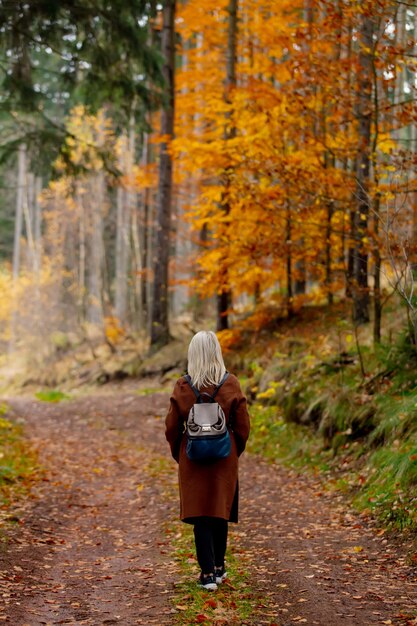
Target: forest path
92,546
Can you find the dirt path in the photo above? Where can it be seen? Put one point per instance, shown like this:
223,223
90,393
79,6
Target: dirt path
92,546
318,562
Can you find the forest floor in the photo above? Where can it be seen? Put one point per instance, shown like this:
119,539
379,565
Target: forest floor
92,544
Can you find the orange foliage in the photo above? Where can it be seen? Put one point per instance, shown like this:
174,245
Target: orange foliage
287,175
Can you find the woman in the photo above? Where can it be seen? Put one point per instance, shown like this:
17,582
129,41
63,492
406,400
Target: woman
208,490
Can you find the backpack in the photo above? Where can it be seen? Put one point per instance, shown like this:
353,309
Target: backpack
208,437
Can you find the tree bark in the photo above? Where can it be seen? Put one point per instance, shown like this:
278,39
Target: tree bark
21,183
159,320
144,228
290,298
82,256
348,166
21,175
328,279
200,306
377,274
300,274
224,297
125,201
95,299
28,214
37,227
360,291
122,246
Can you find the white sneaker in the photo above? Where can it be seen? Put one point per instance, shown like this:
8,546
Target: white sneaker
220,574
208,582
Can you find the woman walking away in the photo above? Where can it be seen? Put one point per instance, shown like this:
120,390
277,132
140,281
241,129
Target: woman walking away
207,427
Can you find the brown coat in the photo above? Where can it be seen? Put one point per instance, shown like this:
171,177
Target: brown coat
208,489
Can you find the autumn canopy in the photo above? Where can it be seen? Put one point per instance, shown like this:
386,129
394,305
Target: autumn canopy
235,158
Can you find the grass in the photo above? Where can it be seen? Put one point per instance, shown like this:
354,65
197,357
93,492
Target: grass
381,480
148,391
277,440
18,463
51,395
315,410
233,603
389,482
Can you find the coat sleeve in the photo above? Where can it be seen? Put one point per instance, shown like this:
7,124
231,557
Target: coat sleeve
240,421
174,426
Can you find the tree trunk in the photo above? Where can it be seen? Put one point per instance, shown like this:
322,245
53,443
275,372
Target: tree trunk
350,270
413,174
125,201
82,256
122,246
133,227
290,298
200,302
300,274
300,282
348,243
145,233
224,297
95,300
159,319
328,279
146,220
21,176
377,274
138,278
376,211
28,213
21,182
360,291
37,227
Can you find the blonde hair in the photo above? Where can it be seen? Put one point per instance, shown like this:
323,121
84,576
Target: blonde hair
205,360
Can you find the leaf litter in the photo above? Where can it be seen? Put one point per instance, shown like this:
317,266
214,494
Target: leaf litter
92,546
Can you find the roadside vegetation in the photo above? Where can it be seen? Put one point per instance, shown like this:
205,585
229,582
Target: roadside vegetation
18,465
325,398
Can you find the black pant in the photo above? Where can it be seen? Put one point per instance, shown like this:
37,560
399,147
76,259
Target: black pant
210,535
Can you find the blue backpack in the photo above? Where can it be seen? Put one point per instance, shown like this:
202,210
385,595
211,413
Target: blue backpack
208,438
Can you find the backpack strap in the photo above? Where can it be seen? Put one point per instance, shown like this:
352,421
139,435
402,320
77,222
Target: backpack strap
188,379
223,380
198,394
